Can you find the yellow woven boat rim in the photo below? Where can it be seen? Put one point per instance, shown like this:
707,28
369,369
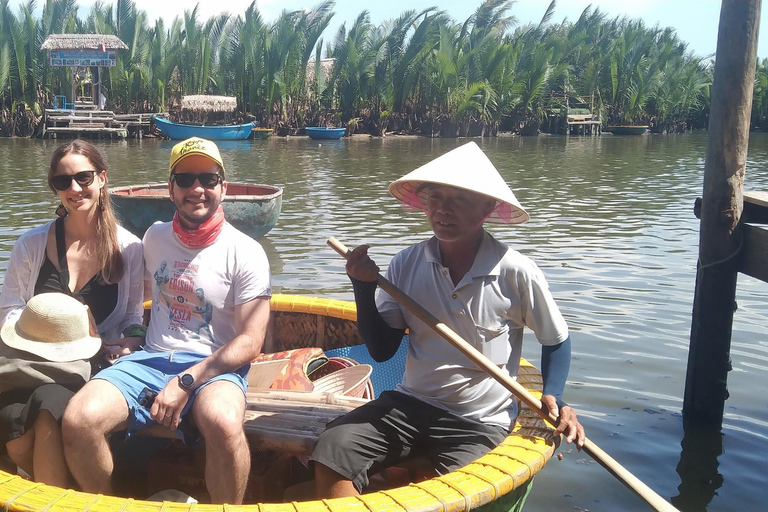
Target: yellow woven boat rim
512,463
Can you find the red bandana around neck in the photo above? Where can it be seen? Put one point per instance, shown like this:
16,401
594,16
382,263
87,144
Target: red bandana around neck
205,235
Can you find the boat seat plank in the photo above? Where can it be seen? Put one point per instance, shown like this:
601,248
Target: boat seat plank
291,421
283,420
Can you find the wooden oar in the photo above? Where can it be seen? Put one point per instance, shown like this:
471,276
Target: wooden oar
605,460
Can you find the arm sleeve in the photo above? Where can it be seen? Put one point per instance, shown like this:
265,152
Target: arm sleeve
254,277
13,296
133,260
381,339
555,363
539,310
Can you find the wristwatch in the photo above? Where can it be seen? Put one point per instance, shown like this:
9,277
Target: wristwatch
186,381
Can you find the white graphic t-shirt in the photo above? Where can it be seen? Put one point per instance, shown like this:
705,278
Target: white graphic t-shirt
194,291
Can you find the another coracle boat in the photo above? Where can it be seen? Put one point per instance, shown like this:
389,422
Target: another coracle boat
253,209
627,130
178,131
277,428
321,132
262,133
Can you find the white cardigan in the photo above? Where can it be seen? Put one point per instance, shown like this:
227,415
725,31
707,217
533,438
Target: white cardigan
27,259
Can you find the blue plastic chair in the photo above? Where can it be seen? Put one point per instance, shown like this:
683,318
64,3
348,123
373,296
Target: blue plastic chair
60,102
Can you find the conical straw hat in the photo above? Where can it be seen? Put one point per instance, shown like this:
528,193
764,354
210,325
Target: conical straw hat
53,326
465,167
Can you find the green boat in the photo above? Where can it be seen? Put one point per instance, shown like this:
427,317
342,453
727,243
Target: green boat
253,209
627,130
262,133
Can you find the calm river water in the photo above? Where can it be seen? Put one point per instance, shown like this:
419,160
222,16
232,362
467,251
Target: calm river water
612,227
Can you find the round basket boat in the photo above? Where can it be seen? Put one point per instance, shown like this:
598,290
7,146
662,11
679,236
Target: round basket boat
627,129
330,324
262,133
253,209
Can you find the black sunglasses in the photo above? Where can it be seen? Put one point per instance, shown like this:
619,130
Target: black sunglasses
62,182
187,179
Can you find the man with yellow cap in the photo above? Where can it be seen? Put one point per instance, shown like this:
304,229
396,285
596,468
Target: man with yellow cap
447,408
210,307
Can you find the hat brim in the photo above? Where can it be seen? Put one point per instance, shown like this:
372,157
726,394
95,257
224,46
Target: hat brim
506,212
468,168
84,348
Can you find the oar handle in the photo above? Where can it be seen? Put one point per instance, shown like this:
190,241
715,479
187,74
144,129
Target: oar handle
503,378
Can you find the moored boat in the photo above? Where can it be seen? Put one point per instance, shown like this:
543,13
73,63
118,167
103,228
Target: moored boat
330,325
321,132
262,133
179,131
627,130
253,209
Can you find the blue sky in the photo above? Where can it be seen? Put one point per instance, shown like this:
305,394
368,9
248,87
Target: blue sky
696,21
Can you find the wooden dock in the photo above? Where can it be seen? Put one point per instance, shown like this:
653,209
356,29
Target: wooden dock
582,122
93,123
754,249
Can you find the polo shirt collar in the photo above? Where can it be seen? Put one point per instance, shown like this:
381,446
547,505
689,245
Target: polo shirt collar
487,262
488,259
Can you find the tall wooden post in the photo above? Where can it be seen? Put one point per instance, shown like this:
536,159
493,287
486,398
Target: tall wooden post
72,83
720,238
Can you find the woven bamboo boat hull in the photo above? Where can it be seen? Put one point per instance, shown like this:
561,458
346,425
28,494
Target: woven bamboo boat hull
303,322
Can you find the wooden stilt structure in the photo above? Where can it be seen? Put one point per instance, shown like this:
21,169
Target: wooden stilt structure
721,239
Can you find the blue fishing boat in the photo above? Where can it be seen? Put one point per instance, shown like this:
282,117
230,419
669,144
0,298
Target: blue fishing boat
253,209
178,131
321,132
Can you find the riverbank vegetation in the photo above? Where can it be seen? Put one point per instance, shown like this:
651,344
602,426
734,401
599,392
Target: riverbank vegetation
419,72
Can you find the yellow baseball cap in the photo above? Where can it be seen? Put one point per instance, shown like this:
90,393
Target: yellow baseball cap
195,146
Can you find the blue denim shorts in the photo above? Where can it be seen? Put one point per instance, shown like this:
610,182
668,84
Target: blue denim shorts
133,373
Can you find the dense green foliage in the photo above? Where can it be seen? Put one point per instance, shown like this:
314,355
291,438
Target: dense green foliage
420,71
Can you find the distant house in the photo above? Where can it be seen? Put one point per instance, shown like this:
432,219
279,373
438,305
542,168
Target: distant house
85,51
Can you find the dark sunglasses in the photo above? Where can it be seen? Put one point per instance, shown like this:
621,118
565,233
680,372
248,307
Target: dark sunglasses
62,182
187,179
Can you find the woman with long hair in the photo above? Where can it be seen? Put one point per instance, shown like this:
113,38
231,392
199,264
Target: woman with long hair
86,254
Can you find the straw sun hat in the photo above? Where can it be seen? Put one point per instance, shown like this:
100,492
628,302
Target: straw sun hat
465,167
53,326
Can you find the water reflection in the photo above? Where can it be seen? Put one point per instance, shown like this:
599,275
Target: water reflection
698,468
613,231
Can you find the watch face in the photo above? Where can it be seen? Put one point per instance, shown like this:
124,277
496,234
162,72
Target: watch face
187,380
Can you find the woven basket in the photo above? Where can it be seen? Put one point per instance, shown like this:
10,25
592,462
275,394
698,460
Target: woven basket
350,381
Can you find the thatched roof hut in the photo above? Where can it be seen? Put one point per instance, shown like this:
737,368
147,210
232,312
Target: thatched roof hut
325,64
83,42
206,103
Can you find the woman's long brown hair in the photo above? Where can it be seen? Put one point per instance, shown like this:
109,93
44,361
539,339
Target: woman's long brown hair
106,224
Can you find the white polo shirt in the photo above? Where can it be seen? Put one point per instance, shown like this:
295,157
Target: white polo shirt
501,294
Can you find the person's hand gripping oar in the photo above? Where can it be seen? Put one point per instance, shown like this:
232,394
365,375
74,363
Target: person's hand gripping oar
605,460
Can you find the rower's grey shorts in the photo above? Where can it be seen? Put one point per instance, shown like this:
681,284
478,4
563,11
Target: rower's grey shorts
385,431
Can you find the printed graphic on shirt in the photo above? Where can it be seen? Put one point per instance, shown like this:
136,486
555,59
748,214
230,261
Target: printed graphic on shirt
161,279
188,309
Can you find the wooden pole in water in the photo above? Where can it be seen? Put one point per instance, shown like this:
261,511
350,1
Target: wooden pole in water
719,238
502,377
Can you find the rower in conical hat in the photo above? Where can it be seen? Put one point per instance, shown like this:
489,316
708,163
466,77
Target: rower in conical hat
484,291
